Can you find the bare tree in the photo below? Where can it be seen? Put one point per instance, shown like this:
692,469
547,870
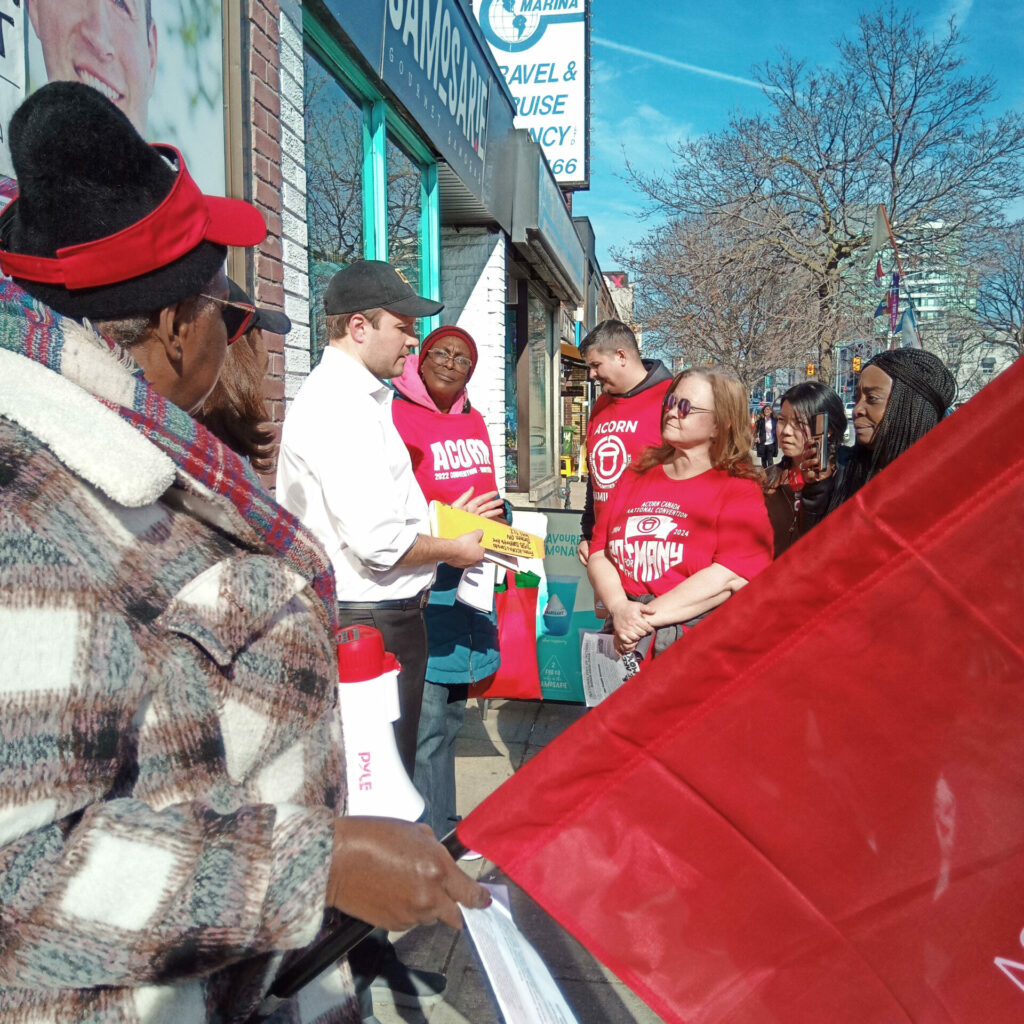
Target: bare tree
334,159
982,330
709,298
997,289
334,190
895,120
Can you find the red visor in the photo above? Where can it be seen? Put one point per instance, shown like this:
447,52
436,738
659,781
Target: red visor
185,218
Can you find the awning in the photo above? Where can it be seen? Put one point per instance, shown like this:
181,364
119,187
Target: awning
571,352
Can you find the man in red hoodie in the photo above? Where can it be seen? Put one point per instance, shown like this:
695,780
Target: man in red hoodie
626,417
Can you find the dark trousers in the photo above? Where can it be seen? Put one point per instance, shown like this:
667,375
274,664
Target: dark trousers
405,636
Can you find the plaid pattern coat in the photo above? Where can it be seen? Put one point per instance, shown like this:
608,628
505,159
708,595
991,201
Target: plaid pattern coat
169,749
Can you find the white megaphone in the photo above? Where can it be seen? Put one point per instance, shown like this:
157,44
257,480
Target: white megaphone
368,694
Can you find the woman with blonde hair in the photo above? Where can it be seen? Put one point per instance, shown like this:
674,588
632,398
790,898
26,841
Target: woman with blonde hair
688,525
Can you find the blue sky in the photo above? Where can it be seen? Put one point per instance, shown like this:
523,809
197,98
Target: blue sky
675,69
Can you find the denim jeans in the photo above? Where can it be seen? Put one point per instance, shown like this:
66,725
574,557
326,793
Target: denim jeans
441,716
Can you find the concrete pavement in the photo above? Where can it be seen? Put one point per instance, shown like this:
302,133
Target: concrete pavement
490,748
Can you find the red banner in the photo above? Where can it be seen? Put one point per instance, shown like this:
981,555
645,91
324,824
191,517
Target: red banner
811,809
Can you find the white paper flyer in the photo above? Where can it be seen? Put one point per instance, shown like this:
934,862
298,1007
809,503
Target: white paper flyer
522,984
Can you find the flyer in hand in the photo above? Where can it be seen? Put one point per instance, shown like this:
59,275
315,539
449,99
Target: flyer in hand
504,544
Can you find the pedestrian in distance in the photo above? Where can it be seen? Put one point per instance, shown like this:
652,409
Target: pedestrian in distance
767,436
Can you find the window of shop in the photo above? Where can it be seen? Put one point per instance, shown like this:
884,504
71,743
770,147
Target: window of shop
540,359
371,182
405,212
334,195
511,401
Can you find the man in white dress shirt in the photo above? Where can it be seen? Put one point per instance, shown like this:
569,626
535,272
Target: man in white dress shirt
345,472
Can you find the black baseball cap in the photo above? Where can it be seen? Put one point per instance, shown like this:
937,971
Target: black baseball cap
272,320
369,283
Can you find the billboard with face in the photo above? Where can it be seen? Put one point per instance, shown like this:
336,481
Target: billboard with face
159,61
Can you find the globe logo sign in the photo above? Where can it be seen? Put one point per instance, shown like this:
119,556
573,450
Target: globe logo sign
513,25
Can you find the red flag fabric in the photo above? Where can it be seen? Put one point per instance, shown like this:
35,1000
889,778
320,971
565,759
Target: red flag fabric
812,808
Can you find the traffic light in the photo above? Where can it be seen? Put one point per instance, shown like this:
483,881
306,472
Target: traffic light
856,364
810,369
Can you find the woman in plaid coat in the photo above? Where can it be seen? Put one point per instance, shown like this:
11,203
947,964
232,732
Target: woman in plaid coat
171,793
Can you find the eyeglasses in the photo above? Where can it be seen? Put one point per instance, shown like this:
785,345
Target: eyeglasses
237,316
798,425
683,405
442,357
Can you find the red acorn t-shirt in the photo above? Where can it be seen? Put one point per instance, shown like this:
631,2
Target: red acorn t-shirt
659,531
450,452
620,428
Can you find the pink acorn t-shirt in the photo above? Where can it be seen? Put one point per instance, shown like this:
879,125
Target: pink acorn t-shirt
659,531
449,452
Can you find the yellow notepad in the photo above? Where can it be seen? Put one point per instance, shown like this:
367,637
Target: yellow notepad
449,522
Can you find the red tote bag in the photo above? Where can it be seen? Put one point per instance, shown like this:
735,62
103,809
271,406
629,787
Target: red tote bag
517,677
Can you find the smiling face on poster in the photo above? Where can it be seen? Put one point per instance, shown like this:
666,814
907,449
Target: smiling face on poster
161,63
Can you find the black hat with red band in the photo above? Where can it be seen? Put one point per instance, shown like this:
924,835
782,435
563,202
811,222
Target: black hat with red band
105,226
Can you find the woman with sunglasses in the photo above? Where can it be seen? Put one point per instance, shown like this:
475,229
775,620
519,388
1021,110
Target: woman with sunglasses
236,410
797,490
687,526
451,456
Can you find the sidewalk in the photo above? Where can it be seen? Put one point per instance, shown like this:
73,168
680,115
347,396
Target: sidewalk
489,750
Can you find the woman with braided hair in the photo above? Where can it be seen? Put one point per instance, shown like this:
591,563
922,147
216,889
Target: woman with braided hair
900,396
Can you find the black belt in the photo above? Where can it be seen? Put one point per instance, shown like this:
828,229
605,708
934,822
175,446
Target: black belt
403,604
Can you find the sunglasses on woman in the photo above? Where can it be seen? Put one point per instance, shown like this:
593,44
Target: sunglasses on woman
237,316
683,406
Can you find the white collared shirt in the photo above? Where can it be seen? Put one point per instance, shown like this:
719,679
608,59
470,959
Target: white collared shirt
345,472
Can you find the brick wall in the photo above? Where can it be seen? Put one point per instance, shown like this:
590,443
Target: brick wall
473,292
293,190
265,141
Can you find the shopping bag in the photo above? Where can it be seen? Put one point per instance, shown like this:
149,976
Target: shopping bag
518,677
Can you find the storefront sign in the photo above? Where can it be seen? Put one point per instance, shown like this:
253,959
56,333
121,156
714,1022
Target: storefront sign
434,64
541,48
555,224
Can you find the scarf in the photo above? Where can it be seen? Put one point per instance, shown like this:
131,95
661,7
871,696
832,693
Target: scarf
109,374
